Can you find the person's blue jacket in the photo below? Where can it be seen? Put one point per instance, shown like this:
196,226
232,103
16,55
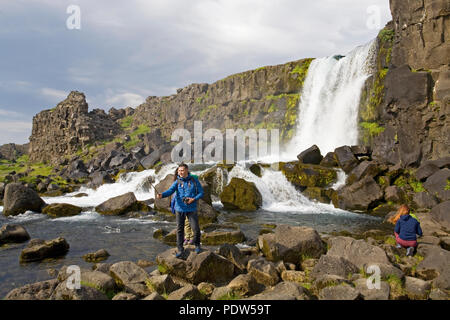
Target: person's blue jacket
185,187
407,227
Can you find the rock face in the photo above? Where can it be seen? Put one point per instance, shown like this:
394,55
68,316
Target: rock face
39,249
407,105
362,195
242,195
291,244
19,199
11,151
67,127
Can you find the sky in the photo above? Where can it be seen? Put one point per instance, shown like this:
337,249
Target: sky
120,52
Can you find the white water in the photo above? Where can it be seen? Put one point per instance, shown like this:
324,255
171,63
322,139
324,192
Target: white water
328,108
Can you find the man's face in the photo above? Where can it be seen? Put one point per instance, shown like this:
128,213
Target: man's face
182,172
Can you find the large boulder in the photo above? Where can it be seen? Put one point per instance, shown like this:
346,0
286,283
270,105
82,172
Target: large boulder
130,277
308,175
373,293
84,293
56,210
311,155
438,184
36,291
216,177
19,199
13,234
38,250
197,267
291,244
434,266
233,254
364,169
244,285
362,195
358,252
241,195
263,271
424,200
417,289
441,213
345,158
222,237
329,264
120,205
426,170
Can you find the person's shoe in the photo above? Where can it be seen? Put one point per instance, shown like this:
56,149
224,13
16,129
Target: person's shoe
179,254
410,252
198,250
398,246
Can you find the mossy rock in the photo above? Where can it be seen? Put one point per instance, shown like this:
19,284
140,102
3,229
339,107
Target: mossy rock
241,195
318,194
308,175
56,210
222,237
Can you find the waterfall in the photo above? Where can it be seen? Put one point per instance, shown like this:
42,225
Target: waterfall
329,102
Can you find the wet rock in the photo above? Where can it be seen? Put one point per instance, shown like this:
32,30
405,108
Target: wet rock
13,234
57,210
242,195
345,158
329,160
361,195
311,155
19,199
120,205
38,250
99,255
308,175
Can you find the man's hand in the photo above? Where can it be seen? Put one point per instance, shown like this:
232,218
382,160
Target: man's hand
159,196
190,200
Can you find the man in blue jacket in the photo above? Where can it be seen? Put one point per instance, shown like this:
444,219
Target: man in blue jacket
188,191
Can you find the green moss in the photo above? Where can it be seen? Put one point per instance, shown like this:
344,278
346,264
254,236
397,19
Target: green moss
272,108
390,241
370,130
207,110
447,186
230,296
417,186
109,294
126,122
386,35
301,70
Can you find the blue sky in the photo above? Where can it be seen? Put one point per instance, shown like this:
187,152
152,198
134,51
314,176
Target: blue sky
128,50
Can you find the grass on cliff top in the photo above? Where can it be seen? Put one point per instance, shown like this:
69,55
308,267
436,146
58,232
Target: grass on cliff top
23,164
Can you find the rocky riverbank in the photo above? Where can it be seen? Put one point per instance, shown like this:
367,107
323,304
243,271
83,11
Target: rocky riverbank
287,263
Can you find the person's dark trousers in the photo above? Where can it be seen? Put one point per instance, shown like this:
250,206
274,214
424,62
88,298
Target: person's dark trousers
193,221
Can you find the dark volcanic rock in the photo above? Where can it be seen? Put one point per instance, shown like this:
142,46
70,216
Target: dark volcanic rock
346,159
311,155
19,199
13,234
39,249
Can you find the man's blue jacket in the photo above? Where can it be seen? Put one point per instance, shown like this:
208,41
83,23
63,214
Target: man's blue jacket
188,187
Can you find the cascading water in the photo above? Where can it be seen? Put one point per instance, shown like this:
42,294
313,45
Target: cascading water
328,108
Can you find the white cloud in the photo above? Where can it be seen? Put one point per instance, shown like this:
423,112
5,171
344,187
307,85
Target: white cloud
9,113
127,99
54,95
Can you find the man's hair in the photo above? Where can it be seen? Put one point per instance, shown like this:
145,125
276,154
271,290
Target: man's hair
179,166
